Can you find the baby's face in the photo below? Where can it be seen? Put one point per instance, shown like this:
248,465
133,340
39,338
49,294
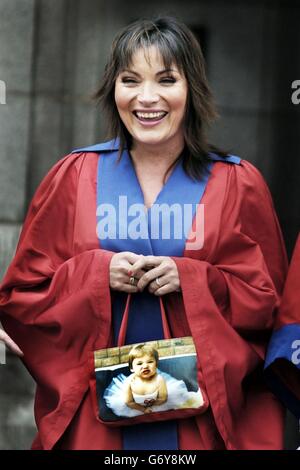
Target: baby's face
144,366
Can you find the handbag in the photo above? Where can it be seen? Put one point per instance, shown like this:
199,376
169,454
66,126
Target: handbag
147,381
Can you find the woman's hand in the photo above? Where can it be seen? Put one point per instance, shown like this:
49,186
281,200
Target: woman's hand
161,277
120,272
10,344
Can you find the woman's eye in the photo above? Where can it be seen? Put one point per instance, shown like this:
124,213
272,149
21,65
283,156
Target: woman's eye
128,80
168,80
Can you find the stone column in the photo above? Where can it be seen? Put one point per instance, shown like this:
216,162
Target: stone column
16,48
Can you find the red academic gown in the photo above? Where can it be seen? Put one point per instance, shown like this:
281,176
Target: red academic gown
290,305
283,358
55,303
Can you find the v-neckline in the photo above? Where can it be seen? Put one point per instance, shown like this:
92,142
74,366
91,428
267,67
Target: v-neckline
165,185
137,228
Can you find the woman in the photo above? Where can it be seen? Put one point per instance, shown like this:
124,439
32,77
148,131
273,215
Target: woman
283,357
65,291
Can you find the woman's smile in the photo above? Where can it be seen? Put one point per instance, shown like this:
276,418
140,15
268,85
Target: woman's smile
150,118
151,100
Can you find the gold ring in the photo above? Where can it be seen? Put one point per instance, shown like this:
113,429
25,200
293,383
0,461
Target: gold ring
132,280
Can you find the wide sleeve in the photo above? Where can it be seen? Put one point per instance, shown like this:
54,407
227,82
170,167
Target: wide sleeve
282,366
231,289
54,302
244,262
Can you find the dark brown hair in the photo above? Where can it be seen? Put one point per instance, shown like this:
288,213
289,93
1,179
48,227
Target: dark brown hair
177,45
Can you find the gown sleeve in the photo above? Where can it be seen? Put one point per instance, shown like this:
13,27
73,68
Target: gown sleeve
282,366
54,301
246,268
231,290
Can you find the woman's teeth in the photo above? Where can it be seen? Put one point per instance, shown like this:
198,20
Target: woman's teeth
153,116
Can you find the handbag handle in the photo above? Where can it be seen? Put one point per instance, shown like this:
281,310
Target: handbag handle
123,327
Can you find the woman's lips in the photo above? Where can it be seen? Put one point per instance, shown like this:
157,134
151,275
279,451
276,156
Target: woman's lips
152,121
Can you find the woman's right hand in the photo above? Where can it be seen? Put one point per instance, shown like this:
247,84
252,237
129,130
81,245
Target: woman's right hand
120,272
10,344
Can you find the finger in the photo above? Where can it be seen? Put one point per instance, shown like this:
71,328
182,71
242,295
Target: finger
132,283
122,274
139,274
149,276
166,289
138,264
11,345
124,285
146,262
153,273
131,257
153,286
129,289
125,268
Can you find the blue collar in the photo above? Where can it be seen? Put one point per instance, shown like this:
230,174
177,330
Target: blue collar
113,145
109,146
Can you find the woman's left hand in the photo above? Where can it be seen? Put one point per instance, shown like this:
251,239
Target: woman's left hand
161,277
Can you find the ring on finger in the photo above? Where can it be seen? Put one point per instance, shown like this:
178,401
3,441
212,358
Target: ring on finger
158,282
132,280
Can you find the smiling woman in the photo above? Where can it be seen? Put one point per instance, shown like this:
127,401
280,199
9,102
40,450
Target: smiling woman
65,292
158,67
151,102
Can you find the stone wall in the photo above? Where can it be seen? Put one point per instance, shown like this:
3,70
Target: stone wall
165,348
16,55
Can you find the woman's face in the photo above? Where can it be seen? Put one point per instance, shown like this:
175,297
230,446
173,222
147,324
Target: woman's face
151,100
144,366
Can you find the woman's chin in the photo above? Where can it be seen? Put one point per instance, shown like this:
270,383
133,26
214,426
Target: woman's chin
150,139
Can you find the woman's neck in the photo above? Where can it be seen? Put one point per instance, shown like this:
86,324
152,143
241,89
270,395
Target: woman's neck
149,156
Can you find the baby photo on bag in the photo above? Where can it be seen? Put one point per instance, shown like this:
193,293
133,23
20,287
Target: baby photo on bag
147,378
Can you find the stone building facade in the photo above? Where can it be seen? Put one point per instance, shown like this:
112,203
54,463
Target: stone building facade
52,54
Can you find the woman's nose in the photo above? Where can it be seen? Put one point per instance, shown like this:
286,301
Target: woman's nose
148,95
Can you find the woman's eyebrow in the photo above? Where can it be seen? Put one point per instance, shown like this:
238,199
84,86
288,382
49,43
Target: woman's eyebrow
158,73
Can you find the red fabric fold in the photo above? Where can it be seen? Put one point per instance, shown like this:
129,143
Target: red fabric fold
290,305
289,314
231,296
55,303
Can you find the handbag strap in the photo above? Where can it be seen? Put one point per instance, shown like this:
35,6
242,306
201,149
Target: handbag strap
123,328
